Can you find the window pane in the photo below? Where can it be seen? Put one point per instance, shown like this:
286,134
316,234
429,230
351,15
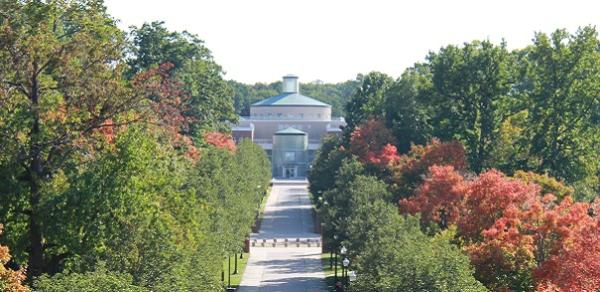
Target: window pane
290,156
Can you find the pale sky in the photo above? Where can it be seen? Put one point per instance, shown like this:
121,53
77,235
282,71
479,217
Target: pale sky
334,40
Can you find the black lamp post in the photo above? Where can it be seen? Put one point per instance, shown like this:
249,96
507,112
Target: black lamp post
235,264
331,259
228,271
335,258
335,266
343,251
345,264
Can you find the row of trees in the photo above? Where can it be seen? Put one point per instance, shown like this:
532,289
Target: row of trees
535,109
425,221
475,170
389,251
114,174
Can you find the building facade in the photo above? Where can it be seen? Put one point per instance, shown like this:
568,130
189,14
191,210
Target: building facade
289,127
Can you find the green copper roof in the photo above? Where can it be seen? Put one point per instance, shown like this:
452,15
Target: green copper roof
290,131
290,99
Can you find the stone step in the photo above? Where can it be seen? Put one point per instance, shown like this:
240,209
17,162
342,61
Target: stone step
286,242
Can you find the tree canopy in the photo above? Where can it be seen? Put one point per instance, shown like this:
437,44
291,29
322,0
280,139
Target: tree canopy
117,172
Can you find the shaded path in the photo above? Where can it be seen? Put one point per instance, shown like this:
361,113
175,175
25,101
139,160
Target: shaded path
287,215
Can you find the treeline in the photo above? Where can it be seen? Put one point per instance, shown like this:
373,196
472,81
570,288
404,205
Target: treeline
335,94
477,169
114,172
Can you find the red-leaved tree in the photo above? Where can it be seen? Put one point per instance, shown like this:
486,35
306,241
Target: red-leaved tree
487,198
439,198
409,170
372,143
576,267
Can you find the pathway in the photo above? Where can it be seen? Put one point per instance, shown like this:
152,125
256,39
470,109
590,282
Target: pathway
287,215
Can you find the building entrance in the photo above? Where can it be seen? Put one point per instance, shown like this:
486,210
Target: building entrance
290,172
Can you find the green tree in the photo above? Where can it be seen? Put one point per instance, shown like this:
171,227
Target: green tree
397,256
472,85
210,102
323,171
210,105
230,187
61,81
100,280
335,201
363,190
562,102
245,95
133,211
335,94
368,99
153,44
408,107
512,145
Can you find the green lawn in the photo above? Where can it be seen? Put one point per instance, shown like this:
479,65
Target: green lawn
236,278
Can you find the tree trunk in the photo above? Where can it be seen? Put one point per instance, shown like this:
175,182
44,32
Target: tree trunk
35,265
36,256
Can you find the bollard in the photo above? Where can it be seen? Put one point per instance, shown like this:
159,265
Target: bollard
286,242
308,242
263,242
274,242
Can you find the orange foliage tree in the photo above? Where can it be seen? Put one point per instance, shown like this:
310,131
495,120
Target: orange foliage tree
10,280
439,198
219,140
534,240
517,237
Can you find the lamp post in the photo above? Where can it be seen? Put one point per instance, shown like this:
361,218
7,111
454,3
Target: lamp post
343,251
335,259
235,264
345,264
228,271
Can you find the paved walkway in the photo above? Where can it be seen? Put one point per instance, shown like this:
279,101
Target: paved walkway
290,269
